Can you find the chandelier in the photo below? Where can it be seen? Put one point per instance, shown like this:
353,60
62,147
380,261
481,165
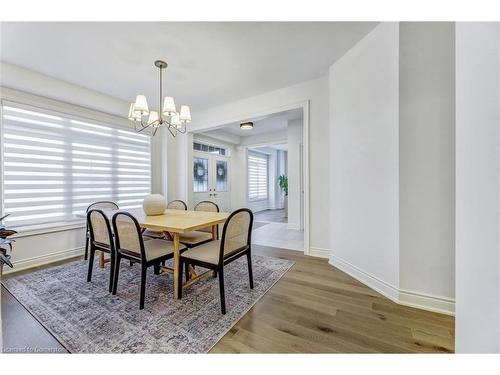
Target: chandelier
166,115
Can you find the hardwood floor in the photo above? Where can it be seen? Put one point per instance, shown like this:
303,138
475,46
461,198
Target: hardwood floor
314,308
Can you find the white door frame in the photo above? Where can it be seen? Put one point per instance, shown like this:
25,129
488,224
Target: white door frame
304,105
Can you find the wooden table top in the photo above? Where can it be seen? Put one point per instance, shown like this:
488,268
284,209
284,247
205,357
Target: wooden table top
175,221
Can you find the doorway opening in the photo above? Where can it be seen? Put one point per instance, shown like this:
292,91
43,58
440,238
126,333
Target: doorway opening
261,168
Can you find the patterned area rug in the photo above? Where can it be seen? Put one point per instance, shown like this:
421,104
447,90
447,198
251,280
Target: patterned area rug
85,318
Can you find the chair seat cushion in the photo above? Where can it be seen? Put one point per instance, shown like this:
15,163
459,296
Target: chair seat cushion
158,248
209,252
195,237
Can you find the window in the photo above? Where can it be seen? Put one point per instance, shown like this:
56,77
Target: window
55,165
200,175
212,149
257,176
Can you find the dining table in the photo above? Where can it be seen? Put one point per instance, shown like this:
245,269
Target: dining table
173,223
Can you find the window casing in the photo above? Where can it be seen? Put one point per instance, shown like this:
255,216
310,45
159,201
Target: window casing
54,165
258,176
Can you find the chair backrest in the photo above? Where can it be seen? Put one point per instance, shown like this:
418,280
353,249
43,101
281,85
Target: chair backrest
128,235
206,206
237,232
99,228
103,205
177,205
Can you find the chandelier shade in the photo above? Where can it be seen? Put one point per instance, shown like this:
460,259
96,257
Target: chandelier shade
176,121
166,115
169,106
141,104
185,114
153,117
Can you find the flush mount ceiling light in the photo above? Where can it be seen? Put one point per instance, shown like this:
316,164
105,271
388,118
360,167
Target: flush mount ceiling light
166,115
246,125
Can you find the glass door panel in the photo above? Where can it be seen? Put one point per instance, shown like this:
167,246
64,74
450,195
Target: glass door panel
200,175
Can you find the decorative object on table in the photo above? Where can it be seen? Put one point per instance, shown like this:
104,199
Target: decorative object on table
154,204
173,205
166,115
283,184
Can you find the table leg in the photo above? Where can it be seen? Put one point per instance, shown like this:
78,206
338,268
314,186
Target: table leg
176,265
101,259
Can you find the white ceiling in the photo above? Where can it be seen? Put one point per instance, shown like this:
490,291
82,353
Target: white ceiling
261,125
209,63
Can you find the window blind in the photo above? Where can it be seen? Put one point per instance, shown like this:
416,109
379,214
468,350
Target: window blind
55,165
257,176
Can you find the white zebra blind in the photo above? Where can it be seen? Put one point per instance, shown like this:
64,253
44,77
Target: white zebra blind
55,165
257,176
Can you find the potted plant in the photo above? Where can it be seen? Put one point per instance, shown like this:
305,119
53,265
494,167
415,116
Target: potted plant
283,184
5,245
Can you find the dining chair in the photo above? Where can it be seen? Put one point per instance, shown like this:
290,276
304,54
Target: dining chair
100,239
177,205
214,255
202,235
103,205
130,245
172,205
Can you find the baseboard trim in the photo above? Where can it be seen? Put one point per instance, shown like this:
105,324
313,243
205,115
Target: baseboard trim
41,260
403,297
366,278
319,252
428,302
293,226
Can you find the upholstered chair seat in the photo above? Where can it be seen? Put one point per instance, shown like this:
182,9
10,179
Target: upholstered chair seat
100,238
210,251
101,205
130,245
195,237
202,235
214,255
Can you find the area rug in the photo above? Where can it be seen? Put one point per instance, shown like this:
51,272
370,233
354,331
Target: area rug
85,318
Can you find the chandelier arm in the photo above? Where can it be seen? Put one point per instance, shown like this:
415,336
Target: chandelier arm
169,127
143,128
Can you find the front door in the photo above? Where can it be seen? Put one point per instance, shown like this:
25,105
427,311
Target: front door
211,180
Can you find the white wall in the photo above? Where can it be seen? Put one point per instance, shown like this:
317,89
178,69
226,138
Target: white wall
316,92
477,188
427,161
294,141
392,163
364,152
